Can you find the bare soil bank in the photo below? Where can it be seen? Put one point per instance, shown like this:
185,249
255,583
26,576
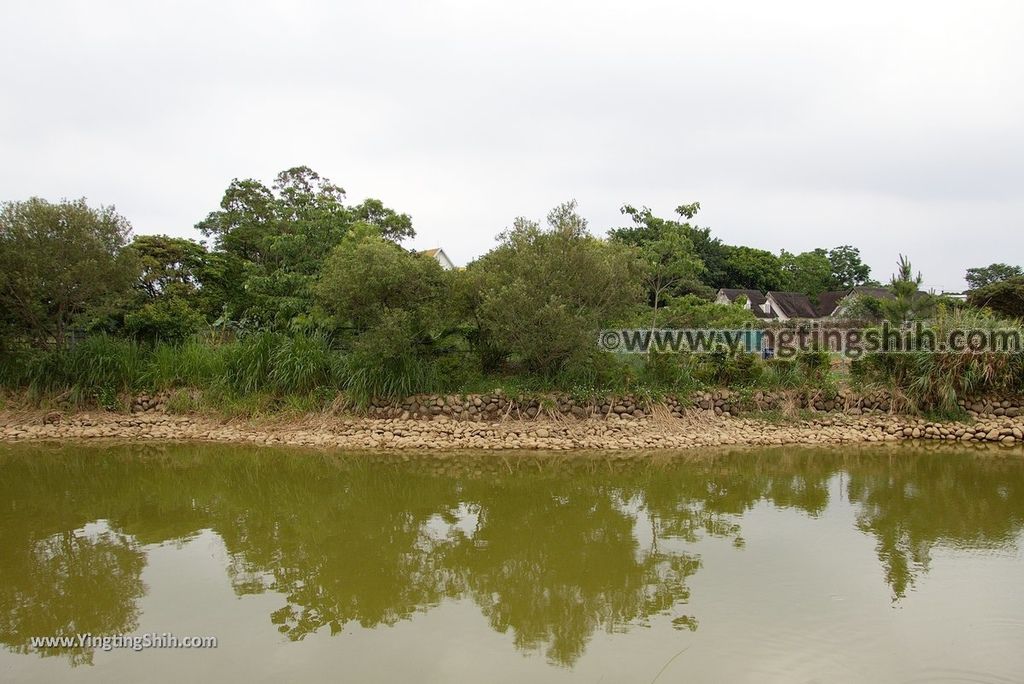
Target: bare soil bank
608,433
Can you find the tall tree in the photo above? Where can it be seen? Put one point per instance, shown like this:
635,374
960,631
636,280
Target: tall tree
909,302
393,304
171,301
988,275
56,261
709,250
754,269
847,268
168,264
366,275
542,294
1005,297
670,262
807,272
276,238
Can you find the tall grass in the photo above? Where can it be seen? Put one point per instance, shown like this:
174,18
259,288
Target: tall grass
194,363
938,380
101,368
303,363
262,371
388,377
249,361
98,368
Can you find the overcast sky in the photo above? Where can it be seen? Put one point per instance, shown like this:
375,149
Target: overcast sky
891,126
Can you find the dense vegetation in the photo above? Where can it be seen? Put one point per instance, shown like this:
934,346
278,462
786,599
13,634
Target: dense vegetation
297,296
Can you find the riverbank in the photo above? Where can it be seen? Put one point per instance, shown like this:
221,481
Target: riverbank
608,433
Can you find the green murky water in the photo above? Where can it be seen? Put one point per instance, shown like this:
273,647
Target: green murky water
773,565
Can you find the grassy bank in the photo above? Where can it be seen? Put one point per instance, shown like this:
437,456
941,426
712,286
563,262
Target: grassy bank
267,372
271,372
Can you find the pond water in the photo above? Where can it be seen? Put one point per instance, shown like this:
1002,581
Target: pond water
782,565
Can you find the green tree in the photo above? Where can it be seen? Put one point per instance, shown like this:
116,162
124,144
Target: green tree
709,250
808,272
988,275
864,308
170,319
57,261
754,269
168,301
367,274
713,254
168,265
1005,297
544,293
909,303
275,240
394,305
848,270
690,311
668,256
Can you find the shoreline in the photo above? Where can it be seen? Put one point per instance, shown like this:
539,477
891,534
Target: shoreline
541,434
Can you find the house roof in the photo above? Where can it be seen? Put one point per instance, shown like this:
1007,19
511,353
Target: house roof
828,301
794,304
873,291
439,255
753,296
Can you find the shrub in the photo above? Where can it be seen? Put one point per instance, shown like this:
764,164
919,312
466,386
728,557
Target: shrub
389,361
542,294
937,380
782,372
170,320
815,365
728,368
670,372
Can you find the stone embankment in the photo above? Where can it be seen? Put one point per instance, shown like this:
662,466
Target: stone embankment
612,432
497,405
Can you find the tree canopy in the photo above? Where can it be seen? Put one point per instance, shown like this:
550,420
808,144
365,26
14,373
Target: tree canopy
274,240
1005,297
544,292
988,275
57,261
670,262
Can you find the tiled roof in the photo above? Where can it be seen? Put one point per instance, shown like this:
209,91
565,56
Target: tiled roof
755,297
794,304
828,301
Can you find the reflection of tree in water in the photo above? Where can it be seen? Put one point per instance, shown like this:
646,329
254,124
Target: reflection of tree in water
551,557
707,496
912,505
342,545
556,559
56,579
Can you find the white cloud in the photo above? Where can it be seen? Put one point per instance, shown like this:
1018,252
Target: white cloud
890,126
